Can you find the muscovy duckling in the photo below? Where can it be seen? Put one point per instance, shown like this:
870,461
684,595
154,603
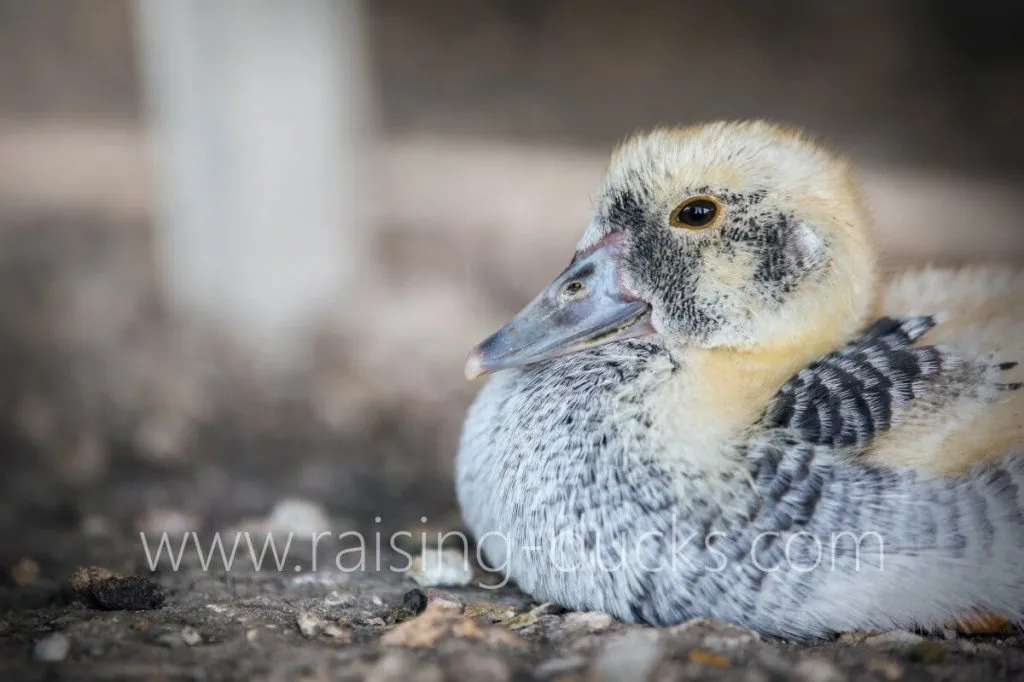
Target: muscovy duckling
663,444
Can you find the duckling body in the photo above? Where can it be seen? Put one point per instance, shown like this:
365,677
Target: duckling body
569,480
644,461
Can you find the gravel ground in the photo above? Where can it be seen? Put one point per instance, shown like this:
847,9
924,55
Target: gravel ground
381,626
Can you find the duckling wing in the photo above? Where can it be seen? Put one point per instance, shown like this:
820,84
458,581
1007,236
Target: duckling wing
966,416
880,383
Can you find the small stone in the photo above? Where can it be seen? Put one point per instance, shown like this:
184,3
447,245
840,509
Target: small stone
894,638
171,640
251,635
5,628
928,652
713,634
336,598
337,632
377,601
557,667
445,600
704,657
434,625
492,612
309,624
128,593
591,621
84,577
298,516
190,636
415,600
445,568
52,648
629,658
25,572
818,670
171,521
374,621
883,667
523,620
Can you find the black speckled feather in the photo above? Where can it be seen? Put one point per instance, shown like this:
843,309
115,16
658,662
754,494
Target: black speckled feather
848,396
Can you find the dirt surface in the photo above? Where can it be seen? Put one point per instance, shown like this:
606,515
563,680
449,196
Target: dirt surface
369,626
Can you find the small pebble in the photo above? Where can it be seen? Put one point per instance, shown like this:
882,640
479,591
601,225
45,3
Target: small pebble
5,628
171,521
556,667
447,568
309,624
709,658
191,636
415,600
523,620
128,593
818,670
629,658
25,572
894,638
336,598
593,621
298,516
492,612
52,648
445,601
336,631
84,577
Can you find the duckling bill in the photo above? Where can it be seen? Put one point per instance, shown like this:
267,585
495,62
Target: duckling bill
586,305
719,410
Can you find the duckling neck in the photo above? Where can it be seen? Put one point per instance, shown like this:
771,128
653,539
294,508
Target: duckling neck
718,395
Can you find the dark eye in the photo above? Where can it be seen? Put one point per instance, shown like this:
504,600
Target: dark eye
695,213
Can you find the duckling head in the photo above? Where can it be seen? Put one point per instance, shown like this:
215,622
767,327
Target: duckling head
743,236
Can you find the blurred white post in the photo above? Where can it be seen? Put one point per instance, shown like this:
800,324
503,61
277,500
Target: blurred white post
257,119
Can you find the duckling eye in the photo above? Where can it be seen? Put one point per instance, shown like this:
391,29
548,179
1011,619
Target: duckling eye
697,213
573,289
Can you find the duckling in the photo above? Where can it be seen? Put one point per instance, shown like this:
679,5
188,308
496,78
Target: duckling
694,418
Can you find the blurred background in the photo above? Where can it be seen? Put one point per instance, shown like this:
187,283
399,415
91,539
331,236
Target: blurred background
245,246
